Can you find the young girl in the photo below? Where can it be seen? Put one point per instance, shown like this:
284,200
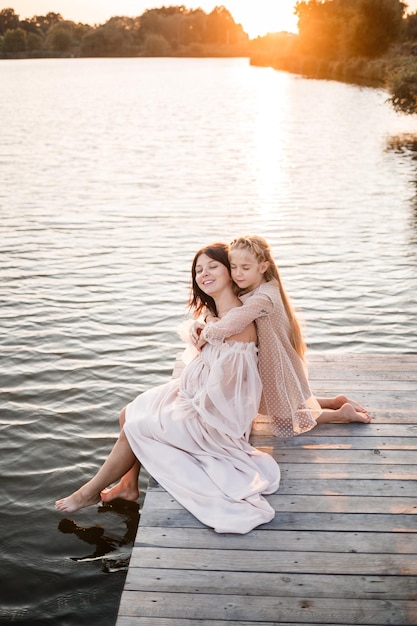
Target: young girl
191,433
287,399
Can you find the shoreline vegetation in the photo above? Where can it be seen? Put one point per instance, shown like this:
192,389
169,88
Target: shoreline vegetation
366,42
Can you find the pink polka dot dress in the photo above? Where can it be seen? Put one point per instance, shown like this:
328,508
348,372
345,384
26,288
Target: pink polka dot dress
287,404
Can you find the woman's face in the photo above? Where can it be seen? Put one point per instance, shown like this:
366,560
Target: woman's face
212,276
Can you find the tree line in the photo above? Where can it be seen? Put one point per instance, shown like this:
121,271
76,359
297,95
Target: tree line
167,31
371,42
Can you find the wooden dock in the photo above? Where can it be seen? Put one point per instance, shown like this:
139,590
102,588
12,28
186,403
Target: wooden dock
342,548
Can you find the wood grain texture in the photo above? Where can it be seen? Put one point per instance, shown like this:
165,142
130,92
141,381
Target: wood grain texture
342,548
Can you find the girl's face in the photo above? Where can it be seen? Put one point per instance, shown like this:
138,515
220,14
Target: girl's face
247,271
211,275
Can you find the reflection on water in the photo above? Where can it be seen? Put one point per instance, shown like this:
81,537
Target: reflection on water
113,173
405,144
105,543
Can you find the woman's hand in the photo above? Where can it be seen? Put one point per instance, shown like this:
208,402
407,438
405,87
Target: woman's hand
195,332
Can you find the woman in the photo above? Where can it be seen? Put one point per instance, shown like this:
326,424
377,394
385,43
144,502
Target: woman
192,433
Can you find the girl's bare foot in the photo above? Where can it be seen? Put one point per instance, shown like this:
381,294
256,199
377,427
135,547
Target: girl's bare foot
77,500
121,490
348,413
338,401
345,414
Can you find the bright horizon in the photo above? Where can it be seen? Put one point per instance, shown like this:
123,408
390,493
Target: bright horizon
257,17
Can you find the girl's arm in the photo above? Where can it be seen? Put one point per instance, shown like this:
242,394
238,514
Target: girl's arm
237,319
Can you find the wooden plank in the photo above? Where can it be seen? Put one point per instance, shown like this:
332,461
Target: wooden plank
364,360
318,503
265,608
384,384
358,471
342,548
271,584
277,561
126,620
355,432
363,487
286,540
342,456
294,521
339,440
152,621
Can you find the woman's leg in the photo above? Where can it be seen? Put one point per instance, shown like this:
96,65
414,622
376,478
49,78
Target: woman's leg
127,488
120,460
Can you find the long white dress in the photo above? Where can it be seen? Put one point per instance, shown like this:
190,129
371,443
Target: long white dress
191,434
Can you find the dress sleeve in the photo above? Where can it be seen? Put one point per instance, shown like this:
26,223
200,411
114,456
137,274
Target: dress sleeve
236,320
189,352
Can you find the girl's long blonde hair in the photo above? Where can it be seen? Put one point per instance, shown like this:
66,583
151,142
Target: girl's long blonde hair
260,248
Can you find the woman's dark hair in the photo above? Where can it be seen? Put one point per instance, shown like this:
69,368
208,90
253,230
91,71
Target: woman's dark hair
198,299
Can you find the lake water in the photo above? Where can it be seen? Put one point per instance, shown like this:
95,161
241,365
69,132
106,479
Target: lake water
113,172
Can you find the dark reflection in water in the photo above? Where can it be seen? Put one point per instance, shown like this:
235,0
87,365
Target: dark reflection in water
406,144
107,543
403,143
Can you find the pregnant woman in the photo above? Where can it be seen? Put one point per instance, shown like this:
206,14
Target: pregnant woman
191,434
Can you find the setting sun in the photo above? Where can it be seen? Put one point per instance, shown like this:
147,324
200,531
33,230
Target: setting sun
259,18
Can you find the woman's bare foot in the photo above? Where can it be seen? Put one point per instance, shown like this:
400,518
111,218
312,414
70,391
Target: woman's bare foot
121,490
77,500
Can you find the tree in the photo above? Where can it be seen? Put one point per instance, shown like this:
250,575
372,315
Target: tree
117,37
374,26
14,40
221,27
349,28
320,26
156,46
403,90
34,42
9,20
44,22
60,37
410,26
61,40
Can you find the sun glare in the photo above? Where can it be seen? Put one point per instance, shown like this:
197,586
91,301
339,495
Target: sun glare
265,16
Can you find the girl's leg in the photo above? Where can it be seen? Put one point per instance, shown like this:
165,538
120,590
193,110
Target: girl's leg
127,488
336,402
341,409
120,460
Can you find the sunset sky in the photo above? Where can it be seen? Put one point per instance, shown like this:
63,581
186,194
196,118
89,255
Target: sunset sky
256,16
